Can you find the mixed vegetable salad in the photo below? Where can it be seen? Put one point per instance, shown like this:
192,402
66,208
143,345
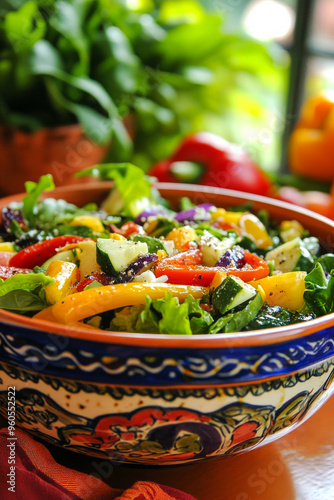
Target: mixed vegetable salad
136,265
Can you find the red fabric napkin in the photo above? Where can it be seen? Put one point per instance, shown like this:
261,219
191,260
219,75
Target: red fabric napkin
38,476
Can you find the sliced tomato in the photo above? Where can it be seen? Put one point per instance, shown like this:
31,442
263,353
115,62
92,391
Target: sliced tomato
7,272
5,258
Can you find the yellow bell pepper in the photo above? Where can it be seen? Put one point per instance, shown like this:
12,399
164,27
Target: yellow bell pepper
311,146
181,236
89,221
97,300
226,216
256,230
7,247
285,290
290,229
220,276
64,275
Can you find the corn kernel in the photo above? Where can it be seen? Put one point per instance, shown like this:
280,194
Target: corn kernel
89,221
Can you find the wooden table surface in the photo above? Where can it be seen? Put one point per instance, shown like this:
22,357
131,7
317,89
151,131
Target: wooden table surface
299,466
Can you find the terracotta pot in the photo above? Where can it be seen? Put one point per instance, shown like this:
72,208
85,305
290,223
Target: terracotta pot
61,151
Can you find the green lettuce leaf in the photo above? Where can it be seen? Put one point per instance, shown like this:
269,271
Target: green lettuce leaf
34,191
125,320
131,182
24,293
327,262
165,316
170,317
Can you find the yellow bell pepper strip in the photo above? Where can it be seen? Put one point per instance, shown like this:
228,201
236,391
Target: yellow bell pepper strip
92,301
311,145
47,315
285,290
64,274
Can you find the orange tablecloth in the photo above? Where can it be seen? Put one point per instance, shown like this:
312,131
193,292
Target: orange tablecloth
299,466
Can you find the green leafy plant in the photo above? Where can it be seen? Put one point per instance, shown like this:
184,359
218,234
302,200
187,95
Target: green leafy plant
168,65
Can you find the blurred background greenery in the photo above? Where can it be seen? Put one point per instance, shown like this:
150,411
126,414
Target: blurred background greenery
163,68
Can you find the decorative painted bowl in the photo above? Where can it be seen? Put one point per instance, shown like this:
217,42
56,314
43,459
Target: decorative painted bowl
163,400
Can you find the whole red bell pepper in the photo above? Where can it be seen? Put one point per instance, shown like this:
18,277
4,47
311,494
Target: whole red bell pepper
36,254
223,164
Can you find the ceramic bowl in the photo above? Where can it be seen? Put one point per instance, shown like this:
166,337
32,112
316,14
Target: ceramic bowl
158,399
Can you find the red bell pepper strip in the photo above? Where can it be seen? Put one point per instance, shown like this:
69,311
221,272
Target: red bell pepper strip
226,165
191,257
255,268
8,272
36,254
100,277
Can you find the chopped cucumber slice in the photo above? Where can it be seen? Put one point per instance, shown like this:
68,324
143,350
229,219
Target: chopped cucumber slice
72,255
114,256
291,256
212,248
231,293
